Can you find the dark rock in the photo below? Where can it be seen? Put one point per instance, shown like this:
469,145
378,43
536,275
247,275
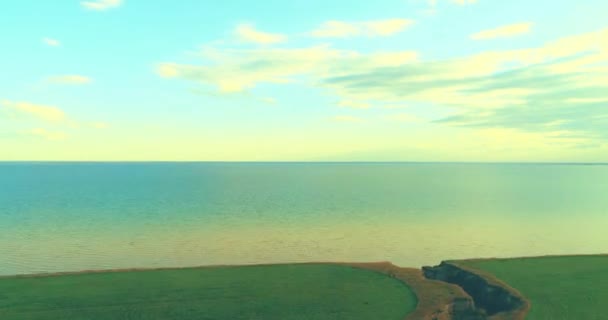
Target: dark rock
489,299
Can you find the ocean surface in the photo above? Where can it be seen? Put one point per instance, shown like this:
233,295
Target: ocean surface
81,216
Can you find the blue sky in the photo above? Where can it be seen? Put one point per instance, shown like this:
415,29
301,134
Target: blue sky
408,80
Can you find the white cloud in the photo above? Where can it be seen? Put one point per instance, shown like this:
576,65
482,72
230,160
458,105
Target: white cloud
336,29
377,28
239,70
592,41
42,112
388,59
511,30
101,5
231,70
385,28
520,89
236,70
168,70
523,90
51,42
71,79
248,33
49,116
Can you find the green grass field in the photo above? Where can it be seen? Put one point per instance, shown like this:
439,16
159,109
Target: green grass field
559,288
286,292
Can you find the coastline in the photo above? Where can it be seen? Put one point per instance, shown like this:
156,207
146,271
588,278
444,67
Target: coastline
448,291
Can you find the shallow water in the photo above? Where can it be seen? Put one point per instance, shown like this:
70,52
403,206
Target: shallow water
76,216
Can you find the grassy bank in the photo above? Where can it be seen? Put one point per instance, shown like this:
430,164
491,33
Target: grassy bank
286,292
559,288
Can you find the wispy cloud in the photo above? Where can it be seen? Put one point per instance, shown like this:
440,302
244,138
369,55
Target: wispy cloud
268,100
72,79
55,121
523,89
46,134
511,30
354,104
518,89
238,70
51,42
347,118
99,125
464,2
377,28
432,5
101,5
42,112
248,33
404,118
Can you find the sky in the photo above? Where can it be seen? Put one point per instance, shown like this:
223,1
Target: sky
269,80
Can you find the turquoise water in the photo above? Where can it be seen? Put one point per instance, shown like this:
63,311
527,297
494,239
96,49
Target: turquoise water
78,216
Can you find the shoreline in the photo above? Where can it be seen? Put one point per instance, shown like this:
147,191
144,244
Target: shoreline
434,298
450,290
137,269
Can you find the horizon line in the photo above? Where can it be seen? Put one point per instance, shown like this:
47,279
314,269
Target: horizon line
295,162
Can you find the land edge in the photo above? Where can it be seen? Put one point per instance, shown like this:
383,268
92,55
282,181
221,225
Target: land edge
85,271
453,261
519,312
436,299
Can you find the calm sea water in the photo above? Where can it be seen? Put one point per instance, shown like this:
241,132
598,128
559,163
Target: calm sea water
77,216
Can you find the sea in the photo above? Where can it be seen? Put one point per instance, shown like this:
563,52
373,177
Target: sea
57,217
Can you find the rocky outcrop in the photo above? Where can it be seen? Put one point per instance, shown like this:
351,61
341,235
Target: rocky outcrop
464,309
458,309
489,298
437,300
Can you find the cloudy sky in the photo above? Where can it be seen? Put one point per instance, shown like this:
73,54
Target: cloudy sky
304,80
